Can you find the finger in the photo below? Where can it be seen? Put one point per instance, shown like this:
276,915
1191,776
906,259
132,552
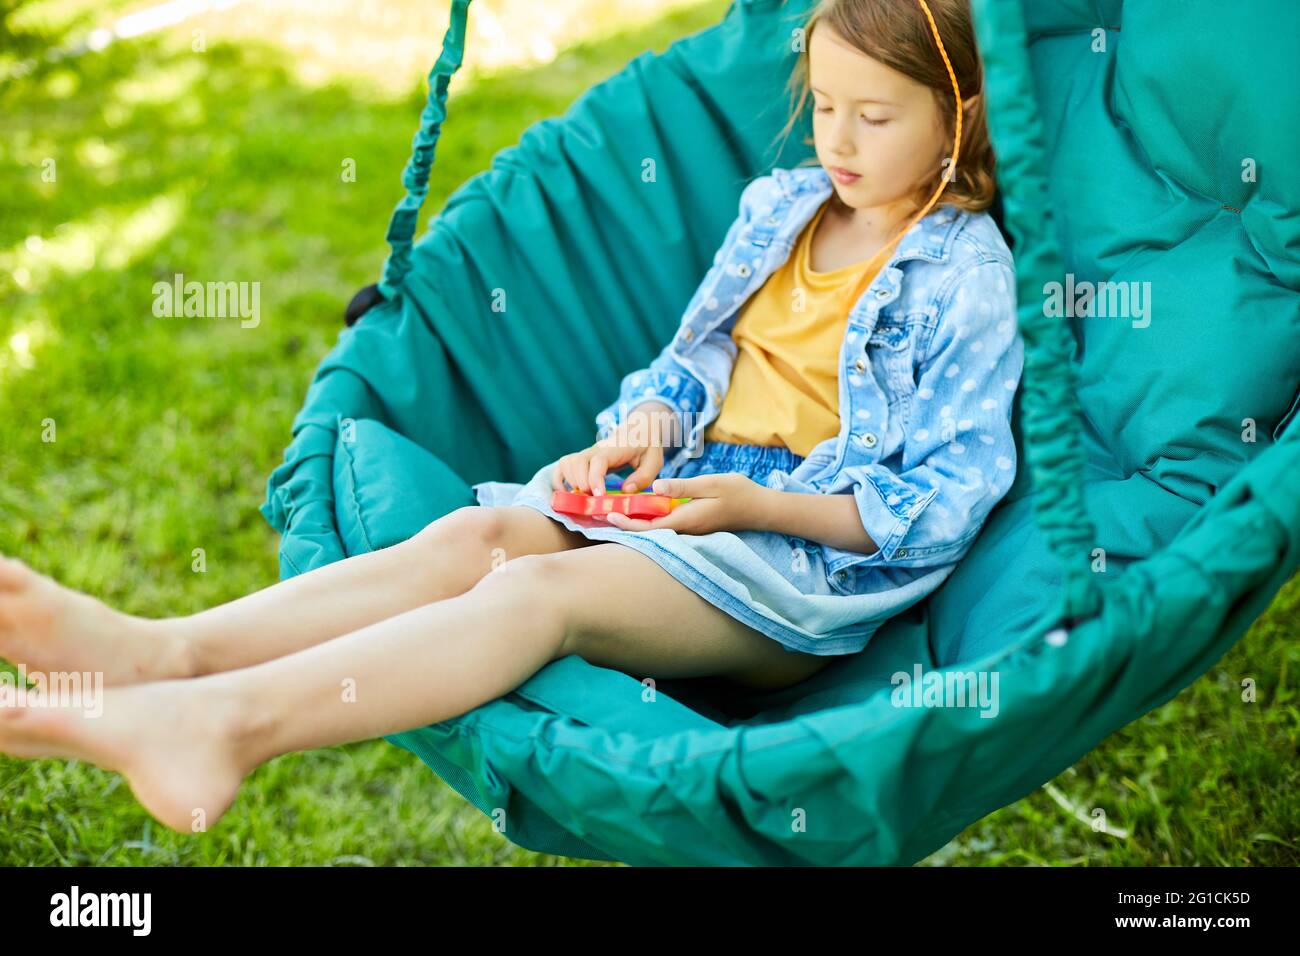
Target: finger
596,469
649,466
580,479
701,486
619,520
557,476
683,518
572,468
673,521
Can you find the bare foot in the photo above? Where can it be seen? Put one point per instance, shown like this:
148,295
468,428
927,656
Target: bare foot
46,627
176,744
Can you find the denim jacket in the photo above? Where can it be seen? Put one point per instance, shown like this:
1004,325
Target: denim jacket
929,365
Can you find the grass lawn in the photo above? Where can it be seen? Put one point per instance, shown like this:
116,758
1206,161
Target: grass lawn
225,165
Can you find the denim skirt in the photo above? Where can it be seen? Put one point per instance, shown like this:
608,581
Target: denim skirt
775,583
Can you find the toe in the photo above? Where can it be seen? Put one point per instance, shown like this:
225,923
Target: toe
14,575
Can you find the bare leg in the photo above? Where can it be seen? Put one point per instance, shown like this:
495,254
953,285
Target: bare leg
48,627
186,745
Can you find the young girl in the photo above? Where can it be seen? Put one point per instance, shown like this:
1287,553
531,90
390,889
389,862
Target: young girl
836,404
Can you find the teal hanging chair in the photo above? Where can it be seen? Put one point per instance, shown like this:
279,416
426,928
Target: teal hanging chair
1157,514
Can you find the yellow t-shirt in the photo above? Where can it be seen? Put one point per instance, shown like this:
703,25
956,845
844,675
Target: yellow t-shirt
785,383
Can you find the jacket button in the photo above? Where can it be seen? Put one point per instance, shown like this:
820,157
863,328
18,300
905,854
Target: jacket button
860,364
688,335
772,220
900,553
881,293
742,270
869,440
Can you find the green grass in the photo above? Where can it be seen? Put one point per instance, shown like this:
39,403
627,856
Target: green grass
222,167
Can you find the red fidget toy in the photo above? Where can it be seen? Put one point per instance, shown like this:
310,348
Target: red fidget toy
635,505
641,504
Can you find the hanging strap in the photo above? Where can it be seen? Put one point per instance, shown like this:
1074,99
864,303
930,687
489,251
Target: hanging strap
1051,414
401,228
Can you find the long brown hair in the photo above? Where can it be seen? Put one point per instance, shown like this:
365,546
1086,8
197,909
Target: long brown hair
897,34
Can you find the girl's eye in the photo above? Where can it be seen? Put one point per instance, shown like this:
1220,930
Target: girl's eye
875,122
823,109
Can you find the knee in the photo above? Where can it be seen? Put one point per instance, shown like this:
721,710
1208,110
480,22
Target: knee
538,587
471,530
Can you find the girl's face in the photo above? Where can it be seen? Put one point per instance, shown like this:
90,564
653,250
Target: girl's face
878,133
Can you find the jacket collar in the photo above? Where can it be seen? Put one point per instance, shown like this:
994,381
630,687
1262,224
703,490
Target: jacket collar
930,239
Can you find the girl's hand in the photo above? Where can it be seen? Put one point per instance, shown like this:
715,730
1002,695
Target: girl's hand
724,502
639,442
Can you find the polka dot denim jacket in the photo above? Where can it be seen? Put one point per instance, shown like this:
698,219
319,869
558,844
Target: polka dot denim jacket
929,365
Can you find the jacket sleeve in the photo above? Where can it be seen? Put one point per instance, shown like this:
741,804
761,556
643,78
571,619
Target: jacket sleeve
665,379
959,456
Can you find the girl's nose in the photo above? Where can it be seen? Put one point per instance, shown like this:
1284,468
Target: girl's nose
842,137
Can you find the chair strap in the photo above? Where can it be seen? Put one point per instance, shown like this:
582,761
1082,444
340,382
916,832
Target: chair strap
1051,413
401,228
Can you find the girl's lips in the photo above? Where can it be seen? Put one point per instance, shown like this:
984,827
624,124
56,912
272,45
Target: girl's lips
843,176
